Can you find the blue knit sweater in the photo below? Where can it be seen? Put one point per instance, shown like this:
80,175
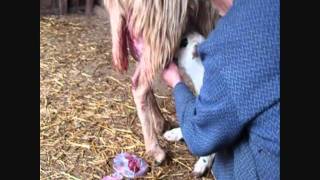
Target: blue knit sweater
236,114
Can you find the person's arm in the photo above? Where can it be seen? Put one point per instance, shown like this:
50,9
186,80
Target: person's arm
208,122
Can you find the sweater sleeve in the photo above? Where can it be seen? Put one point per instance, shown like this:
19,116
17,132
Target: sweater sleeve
183,96
208,122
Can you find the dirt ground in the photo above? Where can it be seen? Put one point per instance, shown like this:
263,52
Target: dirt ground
86,108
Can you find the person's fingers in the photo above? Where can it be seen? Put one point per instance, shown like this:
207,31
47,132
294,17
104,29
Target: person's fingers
173,67
171,75
223,6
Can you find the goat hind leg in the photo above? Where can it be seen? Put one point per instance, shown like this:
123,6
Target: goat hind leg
155,114
142,94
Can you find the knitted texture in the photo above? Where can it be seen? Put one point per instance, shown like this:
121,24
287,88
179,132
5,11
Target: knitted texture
236,114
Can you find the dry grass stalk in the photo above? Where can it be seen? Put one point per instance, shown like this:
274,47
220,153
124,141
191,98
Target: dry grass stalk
87,111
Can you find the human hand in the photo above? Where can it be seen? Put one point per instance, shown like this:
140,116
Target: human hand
171,75
223,6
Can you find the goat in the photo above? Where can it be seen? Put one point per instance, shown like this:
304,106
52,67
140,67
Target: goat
152,30
191,63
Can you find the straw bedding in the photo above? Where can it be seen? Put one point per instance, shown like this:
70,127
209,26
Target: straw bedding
86,108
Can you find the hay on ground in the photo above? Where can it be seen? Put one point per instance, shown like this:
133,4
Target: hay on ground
86,108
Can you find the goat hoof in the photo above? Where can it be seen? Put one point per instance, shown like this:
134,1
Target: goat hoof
197,174
159,157
157,163
157,153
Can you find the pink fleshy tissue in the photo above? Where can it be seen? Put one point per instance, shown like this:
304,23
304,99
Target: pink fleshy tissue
127,165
